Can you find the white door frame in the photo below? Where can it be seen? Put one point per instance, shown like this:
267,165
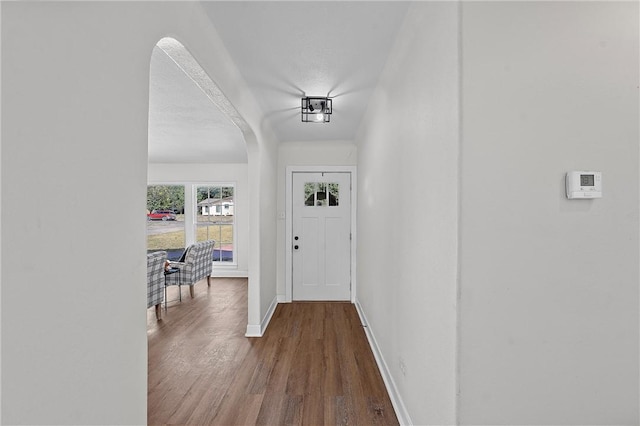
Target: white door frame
289,223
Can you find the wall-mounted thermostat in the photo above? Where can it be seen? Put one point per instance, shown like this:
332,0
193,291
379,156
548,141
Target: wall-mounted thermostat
584,185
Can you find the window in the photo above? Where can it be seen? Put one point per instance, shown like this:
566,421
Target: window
165,219
321,194
215,219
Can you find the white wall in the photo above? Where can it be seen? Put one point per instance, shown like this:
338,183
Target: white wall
307,153
266,185
75,80
549,309
203,173
407,212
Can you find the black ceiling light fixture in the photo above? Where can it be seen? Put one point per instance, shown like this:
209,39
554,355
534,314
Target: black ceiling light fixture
316,109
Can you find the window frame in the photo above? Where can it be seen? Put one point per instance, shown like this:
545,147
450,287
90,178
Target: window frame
184,187
194,221
191,211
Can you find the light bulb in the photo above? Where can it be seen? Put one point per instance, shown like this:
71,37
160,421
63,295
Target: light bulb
319,117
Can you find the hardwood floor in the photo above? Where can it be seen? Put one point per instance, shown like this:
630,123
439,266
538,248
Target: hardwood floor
313,366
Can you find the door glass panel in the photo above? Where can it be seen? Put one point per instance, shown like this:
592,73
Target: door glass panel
165,219
334,193
309,194
321,194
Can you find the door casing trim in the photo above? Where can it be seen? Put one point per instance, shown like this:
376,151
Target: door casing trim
289,221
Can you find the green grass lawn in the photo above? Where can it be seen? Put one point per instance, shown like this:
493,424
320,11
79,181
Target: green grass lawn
222,234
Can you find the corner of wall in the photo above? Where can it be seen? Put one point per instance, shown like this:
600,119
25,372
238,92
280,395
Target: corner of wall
258,330
390,385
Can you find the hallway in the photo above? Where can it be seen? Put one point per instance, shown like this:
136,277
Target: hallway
313,365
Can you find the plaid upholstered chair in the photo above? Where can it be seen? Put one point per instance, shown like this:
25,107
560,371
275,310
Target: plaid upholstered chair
195,264
155,280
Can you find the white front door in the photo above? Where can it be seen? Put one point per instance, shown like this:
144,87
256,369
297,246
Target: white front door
321,236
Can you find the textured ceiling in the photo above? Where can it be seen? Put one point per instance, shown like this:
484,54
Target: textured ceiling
185,126
284,50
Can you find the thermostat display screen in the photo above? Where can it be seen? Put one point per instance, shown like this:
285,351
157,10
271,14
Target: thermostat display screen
583,184
586,180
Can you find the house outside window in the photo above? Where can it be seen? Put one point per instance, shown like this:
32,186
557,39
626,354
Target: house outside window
215,219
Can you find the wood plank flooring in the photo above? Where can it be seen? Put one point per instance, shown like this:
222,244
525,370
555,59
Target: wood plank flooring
313,366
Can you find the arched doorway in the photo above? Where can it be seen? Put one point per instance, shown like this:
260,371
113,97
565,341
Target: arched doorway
201,127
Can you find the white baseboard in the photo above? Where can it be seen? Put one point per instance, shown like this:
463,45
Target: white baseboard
267,317
254,330
282,298
230,273
392,390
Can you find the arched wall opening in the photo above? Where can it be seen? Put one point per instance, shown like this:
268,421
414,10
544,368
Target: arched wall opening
76,140
250,243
